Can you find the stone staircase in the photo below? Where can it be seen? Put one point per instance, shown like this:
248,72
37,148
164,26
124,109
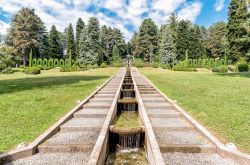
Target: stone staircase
77,137
179,141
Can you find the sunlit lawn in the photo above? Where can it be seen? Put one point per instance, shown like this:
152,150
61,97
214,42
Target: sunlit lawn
221,102
29,104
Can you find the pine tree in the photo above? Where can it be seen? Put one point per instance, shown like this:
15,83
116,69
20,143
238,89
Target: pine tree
147,39
79,27
55,48
71,41
87,54
237,16
26,32
44,48
167,46
93,31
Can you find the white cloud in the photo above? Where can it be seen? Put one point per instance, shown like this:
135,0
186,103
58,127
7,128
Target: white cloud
3,27
65,11
190,11
219,5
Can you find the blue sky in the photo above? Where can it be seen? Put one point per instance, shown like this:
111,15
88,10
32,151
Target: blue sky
126,15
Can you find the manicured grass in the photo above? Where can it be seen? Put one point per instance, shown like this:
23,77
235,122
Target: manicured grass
30,104
220,102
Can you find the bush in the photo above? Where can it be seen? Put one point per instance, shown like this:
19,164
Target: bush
62,63
195,63
154,65
50,63
21,66
165,66
18,69
183,68
32,70
216,69
103,65
232,68
39,62
34,62
243,68
223,69
45,62
8,70
46,68
117,64
56,63
69,69
92,66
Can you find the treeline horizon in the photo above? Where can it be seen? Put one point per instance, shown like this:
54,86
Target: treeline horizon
91,43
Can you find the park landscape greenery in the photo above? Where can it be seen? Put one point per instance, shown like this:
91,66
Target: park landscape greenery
177,45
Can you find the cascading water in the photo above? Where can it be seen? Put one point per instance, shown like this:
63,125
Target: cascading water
126,135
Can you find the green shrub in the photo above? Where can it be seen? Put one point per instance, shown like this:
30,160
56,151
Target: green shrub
243,68
217,62
32,70
164,66
61,63
18,69
222,62
199,65
39,62
50,63
195,63
45,62
216,69
212,63
117,64
69,69
92,66
154,65
56,63
7,70
232,68
103,65
21,66
205,63
183,68
190,63
34,62
223,69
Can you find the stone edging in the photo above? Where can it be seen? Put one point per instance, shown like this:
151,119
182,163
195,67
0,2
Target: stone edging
98,155
221,149
31,149
152,147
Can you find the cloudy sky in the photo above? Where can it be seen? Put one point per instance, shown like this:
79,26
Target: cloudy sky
126,15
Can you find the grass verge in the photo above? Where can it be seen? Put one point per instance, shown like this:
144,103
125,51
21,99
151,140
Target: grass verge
30,104
219,101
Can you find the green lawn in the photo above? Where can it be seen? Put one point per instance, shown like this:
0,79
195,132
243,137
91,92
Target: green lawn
30,104
221,102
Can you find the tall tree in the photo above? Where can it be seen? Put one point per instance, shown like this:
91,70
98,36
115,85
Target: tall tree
26,30
147,39
79,27
93,31
55,48
71,41
237,16
216,39
116,53
44,48
167,46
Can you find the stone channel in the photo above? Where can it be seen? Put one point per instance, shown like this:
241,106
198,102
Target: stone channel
127,122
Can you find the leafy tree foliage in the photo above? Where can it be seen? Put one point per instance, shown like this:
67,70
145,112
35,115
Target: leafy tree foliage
55,48
79,27
26,32
70,41
7,56
116,53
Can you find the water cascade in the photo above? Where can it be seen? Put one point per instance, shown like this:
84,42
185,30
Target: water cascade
126,140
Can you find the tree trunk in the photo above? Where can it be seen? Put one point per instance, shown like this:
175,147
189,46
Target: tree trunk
25,56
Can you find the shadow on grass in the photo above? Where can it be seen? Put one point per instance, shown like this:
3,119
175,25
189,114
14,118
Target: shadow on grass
242,74
17,85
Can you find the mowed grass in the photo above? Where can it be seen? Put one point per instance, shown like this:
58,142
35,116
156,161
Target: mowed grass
221,102
30,104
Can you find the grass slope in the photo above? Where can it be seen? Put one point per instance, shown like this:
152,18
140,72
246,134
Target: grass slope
31,104
219,101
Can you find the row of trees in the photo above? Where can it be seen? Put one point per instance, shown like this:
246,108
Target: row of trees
176,37
91,43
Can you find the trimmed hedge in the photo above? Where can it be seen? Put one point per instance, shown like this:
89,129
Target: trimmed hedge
32,70
243,68
34,62
39,62
45,62
50,63
62,63
56,63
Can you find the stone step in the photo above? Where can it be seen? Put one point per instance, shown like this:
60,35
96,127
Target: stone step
91,113
164,115
70,142
104,95
97,105
168,122
158,105
148,95
195,159
107,92
101,100
154,100
148,92
186,148
83,124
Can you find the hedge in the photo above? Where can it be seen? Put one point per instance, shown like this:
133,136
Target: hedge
50,63
39,62
45,62
62,63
